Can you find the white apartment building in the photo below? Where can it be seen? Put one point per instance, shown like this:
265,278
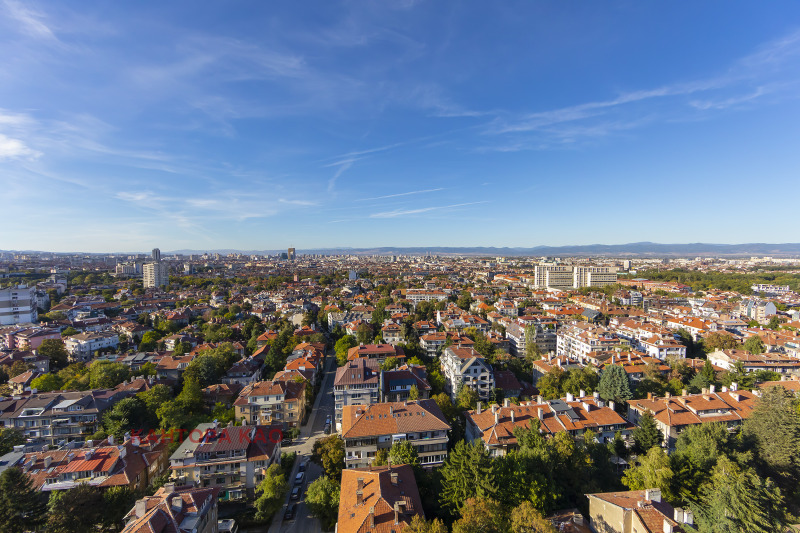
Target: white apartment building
465,366
82,346
564,277
578,340
155,274
18,305
593,276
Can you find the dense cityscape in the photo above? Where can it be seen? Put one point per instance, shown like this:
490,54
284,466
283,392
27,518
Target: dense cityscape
293,392
524,266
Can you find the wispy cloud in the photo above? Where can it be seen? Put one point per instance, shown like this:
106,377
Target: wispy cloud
398,194
31,22
405,212
15,149
341,168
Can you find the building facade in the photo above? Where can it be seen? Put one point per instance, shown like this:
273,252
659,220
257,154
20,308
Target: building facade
18,305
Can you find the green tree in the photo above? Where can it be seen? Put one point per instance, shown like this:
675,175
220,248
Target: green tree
403,452
342,346
413,393
18,368
738,500
322,498
54,350
47,383
69,331
551,384
720,341
526,518
21,508
466,398
117,501
652,471
754,345
381,457
10,437
128,413
614,384
646,434
107,374
329,453
271,490
532,350
149,341
77,510
467,473
774,427
581,379
420,525
481,515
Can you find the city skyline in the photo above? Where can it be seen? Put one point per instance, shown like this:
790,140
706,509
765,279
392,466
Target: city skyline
341,125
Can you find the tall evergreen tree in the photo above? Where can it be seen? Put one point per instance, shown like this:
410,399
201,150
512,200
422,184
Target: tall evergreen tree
21,507
646,435
614,384
467,473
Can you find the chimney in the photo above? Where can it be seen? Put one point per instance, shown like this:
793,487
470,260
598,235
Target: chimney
613,359
677,515
359,497
140,508
540,413
372,517
47,461
667,526
611,405
667,395
397,506
506,402
734,386
394,477
111,440
513,417
360,483
629,357
712,389
497,418
494,408
596,395
688,518
570,397
586,406
478,409
654,495
539,399
169,488
684,392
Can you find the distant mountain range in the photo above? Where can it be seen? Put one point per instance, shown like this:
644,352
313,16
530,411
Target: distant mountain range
636,249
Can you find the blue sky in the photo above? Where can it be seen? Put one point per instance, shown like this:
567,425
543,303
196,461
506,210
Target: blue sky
255,125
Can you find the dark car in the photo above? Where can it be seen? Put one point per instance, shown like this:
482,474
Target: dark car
298,479
327,429
290,511
302,467
296,493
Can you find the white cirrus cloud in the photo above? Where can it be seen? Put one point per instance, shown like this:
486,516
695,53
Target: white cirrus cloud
16,149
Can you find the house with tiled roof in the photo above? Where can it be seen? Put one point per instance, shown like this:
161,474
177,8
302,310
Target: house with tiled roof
378,500
368,428
495,426
432,342
396,384
378,352
673,414
243,372
636,511
272,402
356,383
727,359
175,509
132,464
233,458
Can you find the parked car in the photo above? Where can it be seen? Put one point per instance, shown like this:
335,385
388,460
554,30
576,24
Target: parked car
295,492
298,479
290,512
327,429
303,466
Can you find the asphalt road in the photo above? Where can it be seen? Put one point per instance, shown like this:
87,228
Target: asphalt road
323,407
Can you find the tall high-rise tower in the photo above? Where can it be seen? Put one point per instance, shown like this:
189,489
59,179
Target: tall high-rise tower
291,254
156,255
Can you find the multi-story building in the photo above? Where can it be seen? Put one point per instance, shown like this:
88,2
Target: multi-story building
396,385
272,402
368,428
757,310
495,426
81,347
18,305
463,366
593,276
425,295
58,417
232,459
673,414
155,274
432,342
565,277
518,340
377,352
132,464
356,383
382,498
579,339
177,509
636,511
774,362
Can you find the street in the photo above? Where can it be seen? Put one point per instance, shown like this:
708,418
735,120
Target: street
303,445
